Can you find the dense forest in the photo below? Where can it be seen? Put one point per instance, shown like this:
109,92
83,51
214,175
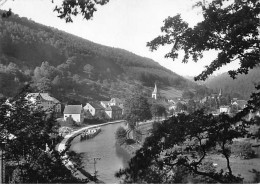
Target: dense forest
242,87
72,67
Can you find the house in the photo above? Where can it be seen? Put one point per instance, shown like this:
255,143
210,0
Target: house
94,108
241,104
224,109
114,112
172,106
46,101
105,104
116,102
76,112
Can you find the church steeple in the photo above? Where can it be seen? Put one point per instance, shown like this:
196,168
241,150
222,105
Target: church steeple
220,92
155,94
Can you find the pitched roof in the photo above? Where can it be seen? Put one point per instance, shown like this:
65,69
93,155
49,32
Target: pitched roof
155,91
113,108
45,96
96,105
73,109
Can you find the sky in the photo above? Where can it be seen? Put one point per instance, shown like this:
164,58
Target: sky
126,24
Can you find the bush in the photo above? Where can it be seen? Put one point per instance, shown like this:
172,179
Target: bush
129,141
243,150
121,135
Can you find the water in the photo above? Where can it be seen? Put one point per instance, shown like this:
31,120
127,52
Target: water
103,146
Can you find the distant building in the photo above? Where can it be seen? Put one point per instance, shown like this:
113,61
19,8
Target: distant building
156,94
114,112
94,108
46,101
224,109
76,112
116,102
241,104
105,104
113,102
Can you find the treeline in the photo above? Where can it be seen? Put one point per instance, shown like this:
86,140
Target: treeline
240,88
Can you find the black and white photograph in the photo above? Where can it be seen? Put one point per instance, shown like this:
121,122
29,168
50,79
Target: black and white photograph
129,92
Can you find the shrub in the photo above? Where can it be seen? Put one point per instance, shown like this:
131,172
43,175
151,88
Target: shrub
121,135
243,150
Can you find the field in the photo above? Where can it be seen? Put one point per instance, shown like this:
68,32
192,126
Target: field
170,92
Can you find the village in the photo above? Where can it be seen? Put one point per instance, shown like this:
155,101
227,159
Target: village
103,111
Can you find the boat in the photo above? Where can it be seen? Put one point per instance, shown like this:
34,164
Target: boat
90,133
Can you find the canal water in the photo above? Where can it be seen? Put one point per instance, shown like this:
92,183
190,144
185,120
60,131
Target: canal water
103,146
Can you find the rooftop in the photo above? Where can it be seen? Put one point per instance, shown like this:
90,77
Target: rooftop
73,109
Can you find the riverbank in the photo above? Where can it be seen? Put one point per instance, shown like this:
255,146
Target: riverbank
64,146
130,148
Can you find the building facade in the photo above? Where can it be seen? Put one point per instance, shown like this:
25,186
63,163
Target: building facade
45,101
76,112
94,108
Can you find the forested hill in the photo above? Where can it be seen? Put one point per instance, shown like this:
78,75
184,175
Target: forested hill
69,66
242,87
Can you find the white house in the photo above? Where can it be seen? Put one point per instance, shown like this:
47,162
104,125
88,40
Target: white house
224,109
76,112
94,108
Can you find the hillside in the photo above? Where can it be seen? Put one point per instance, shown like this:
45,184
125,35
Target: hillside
242,87
72,67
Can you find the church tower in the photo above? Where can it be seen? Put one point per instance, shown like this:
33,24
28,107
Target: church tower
156,93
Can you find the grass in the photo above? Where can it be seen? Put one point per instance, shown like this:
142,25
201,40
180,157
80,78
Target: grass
238,166
170,92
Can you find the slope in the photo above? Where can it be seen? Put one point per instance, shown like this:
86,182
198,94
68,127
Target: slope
70,66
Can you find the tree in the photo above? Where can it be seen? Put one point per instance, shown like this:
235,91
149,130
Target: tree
121,135
187,94
157,110
230,28
180,107
233,30
191,106
184,141
136,109
88,69
28,132
70,8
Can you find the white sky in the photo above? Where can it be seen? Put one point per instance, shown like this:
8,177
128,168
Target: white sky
126,24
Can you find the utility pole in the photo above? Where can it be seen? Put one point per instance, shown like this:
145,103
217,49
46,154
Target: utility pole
2,163
95,171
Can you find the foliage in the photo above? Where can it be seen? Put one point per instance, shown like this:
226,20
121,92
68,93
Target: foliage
158,110
187,94
243,85
198,134
180,107
70,8
54,60
30,153
121,135
230,28
243,150
75,7
136,108
233,30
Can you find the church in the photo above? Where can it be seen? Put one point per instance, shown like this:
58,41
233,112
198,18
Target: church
156,94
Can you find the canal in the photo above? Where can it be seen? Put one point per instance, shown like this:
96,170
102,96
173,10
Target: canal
103,146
